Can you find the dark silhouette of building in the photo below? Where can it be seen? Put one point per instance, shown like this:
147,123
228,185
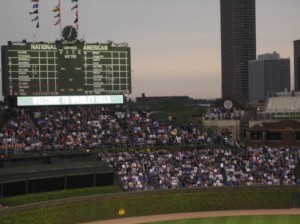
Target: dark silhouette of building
238,45
297,64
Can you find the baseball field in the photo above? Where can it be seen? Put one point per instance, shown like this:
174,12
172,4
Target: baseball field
264,216
261,219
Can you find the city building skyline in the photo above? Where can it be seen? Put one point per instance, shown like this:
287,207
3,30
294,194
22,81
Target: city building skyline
175,44
267,75
238,46
297,64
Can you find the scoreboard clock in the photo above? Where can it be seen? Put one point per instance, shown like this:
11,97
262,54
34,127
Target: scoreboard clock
228,104
69,34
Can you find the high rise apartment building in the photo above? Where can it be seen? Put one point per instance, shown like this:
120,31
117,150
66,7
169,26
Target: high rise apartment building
297,65
238,45
267,75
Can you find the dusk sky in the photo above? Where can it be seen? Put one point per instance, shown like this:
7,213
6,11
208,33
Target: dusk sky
175,44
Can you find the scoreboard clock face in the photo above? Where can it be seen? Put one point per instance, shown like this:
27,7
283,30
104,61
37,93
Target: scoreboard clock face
228,104
69,34
57,69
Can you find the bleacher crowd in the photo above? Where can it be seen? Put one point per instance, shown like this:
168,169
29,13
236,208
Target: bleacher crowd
221,113
58,128
236,166
87,127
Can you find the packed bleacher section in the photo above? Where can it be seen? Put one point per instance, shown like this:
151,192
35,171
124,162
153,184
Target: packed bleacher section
237,166
86,127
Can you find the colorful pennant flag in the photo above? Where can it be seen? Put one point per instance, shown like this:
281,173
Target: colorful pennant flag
74,7
34,12
76,13
57,22
36,18
35,6
56,9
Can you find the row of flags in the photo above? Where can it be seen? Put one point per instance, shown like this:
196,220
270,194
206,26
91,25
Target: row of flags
76,12
57,16
35,8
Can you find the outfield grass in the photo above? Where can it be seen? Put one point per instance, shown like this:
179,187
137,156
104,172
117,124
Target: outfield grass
254,219
104,204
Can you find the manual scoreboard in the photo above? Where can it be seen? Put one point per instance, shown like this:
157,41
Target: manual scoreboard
59,69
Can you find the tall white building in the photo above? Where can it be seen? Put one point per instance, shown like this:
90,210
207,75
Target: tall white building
268,74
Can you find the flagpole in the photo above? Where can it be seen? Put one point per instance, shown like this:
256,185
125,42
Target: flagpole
59,19
76,14
77,17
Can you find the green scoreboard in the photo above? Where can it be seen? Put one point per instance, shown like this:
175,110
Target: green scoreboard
55,69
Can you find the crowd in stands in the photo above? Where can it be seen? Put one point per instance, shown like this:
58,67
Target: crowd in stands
58,128
87,127
237,166
221,113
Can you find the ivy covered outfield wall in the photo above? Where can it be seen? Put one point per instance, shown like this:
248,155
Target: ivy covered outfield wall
120,205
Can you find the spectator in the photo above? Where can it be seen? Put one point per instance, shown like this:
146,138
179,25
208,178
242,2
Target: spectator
203,168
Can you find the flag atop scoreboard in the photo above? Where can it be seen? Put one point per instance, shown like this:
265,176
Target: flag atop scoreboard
56,69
